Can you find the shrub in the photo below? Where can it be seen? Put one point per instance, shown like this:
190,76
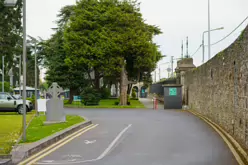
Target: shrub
90,96
128,101
32,99
133,94
105,93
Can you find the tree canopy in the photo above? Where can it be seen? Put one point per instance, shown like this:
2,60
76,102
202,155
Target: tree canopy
95,39
101,35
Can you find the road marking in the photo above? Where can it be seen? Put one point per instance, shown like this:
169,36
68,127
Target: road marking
48,148
234,152
55,146
89,142
105,152
113,142
236,144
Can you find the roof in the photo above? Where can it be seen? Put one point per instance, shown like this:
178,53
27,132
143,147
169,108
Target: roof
27,88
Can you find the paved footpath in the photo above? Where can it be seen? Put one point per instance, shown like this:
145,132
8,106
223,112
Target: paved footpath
142,137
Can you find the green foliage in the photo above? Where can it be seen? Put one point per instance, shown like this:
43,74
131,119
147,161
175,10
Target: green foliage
43,86
105,93
90,96
54,56
133,94
32,99
10,32
7,87
102,34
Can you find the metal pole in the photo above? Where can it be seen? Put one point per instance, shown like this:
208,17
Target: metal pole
159,73
187,48
24,69
209,26
172,58
155,76
35,55
203,49
3,75
20,72
182,50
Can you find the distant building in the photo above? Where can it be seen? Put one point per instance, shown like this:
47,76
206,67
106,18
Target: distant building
29,90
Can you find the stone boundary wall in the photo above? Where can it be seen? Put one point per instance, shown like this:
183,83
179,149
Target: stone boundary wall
219,89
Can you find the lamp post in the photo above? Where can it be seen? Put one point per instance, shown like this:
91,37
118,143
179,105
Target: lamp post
209,26
203,42
172,63
34,41
3,74
12,3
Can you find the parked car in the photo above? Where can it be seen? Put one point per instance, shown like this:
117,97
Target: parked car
18,97
8,103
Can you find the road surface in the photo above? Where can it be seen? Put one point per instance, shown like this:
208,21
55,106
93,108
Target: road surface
142,137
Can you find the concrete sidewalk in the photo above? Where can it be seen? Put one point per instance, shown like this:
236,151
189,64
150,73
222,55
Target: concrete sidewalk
148,103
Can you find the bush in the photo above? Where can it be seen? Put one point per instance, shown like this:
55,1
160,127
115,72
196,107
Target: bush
105,93
128,101
32,99
90,96
133,94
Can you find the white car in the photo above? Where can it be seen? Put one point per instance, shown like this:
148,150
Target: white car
8,103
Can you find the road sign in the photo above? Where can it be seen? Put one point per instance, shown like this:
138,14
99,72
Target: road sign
172,91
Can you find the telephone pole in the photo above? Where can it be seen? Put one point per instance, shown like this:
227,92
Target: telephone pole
172,62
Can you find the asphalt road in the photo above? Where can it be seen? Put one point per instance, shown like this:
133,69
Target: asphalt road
143,137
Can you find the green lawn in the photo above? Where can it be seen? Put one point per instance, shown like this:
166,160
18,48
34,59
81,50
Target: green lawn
110,103
10,130
37,130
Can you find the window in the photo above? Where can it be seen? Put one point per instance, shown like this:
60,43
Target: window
3,96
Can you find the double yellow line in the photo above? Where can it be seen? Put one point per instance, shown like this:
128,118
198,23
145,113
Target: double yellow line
238,152
55,146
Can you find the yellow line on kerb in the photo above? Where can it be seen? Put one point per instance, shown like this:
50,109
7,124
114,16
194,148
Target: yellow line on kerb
234,152
55,146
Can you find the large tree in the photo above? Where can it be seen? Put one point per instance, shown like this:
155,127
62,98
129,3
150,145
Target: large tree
112,38
54,60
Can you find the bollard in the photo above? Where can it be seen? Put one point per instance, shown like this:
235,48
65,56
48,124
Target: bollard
156,104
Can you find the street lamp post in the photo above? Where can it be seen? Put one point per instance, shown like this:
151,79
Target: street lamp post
12,3
203,42
24,69
3,74
172,63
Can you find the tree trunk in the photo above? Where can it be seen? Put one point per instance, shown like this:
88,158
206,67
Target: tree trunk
116,89
124,86
129,89
97,80
72,93
138,78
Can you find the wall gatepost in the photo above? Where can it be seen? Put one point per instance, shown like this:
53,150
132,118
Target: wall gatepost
182,67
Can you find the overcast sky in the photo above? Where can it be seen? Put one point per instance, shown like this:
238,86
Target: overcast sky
176,18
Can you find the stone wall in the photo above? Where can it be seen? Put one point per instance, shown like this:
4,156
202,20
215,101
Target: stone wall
219,89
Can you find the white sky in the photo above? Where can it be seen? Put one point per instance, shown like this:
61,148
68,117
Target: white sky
177,19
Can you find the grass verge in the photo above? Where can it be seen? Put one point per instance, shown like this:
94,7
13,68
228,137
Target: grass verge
109,103
11,129
37,130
